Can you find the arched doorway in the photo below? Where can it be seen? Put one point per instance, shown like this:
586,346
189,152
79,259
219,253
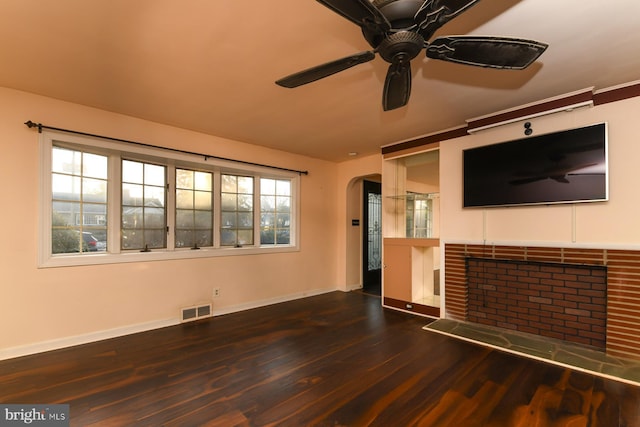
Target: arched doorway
357,249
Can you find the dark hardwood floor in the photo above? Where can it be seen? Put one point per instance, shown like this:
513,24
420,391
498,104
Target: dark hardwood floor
337,359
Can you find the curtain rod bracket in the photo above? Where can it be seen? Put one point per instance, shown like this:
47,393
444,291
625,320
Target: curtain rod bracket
31,124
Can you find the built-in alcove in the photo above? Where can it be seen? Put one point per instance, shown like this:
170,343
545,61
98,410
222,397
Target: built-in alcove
411,245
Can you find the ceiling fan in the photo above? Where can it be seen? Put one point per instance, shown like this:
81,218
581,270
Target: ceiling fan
398,30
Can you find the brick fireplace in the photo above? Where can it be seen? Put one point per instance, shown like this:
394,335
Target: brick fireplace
588,296
564,301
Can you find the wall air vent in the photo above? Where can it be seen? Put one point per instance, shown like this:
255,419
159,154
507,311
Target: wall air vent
190,314
204,310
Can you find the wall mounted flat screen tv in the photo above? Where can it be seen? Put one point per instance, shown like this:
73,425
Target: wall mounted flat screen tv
562,167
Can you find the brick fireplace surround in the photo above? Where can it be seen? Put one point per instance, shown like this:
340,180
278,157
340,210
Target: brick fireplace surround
622,338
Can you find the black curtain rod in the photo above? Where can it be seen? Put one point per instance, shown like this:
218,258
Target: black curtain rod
40,126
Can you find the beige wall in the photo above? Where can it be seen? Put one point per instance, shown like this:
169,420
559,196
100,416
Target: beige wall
613,223
53,307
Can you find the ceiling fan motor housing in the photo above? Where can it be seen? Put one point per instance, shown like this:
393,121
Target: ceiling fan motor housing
401,46
399,13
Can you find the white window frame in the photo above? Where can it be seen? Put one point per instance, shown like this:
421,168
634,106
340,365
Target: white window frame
259,219
118,150
194,209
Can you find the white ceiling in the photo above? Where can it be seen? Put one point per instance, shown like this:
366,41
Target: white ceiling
210,66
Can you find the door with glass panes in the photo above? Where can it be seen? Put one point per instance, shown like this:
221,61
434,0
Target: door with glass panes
372,237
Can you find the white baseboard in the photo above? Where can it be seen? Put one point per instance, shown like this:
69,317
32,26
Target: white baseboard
269,301
43,346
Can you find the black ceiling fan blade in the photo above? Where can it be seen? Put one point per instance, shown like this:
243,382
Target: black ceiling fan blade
493,52
433,14
397,86
360,12
321,71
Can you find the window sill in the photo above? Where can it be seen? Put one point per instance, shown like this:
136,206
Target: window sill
158,255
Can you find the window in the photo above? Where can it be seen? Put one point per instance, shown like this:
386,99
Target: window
275,211
194,209
78,201
106,202
236,201
143,206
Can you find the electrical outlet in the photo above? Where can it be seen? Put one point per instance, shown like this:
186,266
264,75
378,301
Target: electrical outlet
216,292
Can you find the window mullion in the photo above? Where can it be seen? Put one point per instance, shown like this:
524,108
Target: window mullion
114,202
257,211
217,210
171,207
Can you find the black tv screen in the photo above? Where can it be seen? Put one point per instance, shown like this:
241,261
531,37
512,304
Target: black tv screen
561,167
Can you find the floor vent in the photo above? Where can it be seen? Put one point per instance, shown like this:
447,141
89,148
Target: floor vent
196,312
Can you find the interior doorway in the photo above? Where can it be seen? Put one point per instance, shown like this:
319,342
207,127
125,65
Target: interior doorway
372,238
